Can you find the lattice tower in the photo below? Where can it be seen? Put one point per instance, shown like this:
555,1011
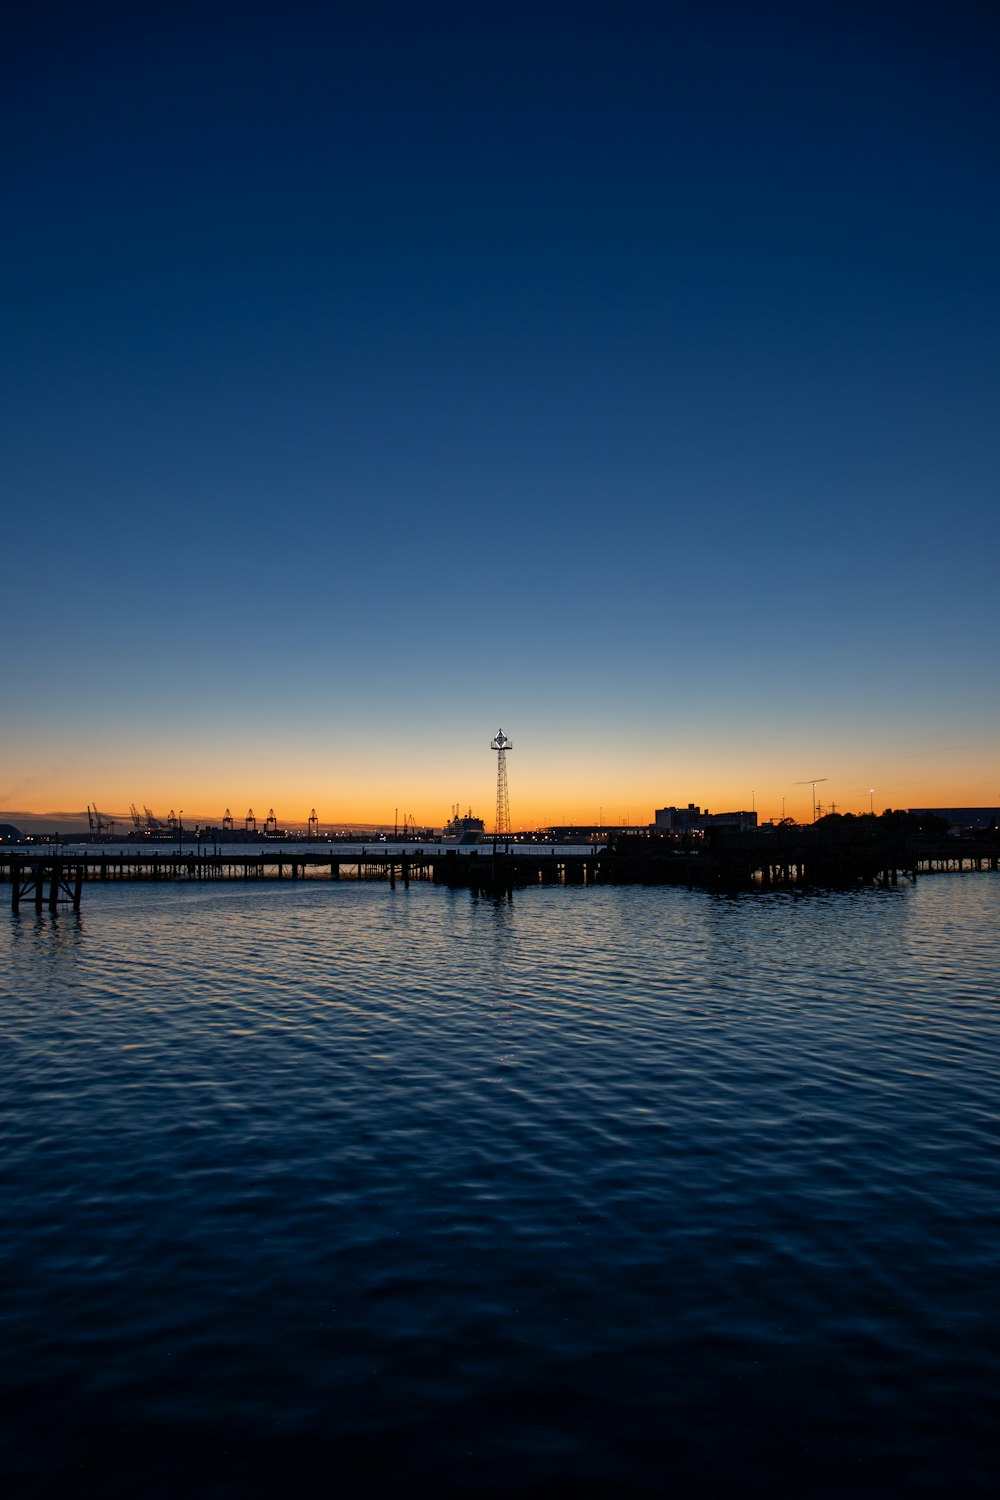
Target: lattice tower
501,744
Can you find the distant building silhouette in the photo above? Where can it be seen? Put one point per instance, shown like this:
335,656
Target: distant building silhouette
966,818
691,819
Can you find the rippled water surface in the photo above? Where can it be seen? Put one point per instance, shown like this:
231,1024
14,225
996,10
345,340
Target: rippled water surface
327,1188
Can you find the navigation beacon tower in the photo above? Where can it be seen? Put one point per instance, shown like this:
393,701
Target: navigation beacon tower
501,744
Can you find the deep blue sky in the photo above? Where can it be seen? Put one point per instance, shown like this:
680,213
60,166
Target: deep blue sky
623,374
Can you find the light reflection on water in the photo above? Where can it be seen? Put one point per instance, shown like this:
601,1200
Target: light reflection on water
613,1189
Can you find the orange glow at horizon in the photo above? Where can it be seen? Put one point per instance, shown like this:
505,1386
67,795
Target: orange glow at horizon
541,801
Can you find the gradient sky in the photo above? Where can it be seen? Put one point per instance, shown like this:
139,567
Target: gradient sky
376,375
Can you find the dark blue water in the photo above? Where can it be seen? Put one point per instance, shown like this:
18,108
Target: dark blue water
323,1189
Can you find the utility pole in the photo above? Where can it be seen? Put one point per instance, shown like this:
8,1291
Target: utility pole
814,782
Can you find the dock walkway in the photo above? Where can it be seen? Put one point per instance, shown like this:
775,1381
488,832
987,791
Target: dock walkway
738,863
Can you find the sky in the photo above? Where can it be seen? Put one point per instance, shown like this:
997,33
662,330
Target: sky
621,375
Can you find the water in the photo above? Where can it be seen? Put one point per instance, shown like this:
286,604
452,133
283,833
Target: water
328,1187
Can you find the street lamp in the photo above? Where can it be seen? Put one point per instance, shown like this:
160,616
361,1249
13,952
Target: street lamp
812,781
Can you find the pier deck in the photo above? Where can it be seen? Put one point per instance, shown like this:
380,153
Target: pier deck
733,864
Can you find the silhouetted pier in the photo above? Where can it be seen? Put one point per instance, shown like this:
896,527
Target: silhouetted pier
478,869
31,879
767,859
726,862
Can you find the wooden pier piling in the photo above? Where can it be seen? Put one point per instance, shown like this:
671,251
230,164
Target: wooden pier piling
29,878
